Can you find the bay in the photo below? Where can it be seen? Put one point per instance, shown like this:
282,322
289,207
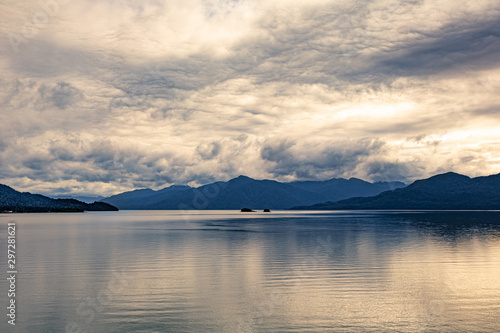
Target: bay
226,271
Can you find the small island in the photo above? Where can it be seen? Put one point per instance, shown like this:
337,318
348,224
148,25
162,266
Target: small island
247,210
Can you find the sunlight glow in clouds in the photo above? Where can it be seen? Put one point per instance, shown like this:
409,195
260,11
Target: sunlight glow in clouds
107,96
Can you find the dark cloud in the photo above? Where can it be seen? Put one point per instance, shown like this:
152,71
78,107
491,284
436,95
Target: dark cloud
458,46
277,150
467,159
61,95
493,110
62,153
393,171
424,140
208,151
37,164
306,161
30,95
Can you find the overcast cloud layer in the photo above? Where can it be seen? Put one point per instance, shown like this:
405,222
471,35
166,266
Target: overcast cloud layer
98,97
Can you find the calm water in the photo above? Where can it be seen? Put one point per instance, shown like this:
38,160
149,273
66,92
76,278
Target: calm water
220,271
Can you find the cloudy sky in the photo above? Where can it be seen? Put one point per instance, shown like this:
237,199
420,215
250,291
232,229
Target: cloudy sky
98,97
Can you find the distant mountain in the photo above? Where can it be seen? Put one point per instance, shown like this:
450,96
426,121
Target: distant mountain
238,193
338,188
12,200
141,199
247,192
449,191
86,199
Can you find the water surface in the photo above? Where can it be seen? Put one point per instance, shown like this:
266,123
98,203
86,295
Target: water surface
223,271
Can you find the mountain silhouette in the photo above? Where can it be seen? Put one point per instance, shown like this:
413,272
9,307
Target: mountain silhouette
12,200
140,199
338,188
247,192
449,191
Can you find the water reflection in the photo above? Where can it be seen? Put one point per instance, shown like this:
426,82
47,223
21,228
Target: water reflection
284,272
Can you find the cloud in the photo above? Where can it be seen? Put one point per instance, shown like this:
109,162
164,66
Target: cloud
310,160
61,95
394,171
457,46
112,95
208,151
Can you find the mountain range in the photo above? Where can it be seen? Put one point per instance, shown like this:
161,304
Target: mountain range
449,191
12,200
247,192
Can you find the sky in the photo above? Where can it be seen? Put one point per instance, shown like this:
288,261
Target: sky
100,97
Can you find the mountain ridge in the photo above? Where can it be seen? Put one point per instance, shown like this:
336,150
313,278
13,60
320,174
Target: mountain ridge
244,191
448,191
12,200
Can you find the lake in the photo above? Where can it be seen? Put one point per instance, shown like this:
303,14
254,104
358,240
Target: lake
225,271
